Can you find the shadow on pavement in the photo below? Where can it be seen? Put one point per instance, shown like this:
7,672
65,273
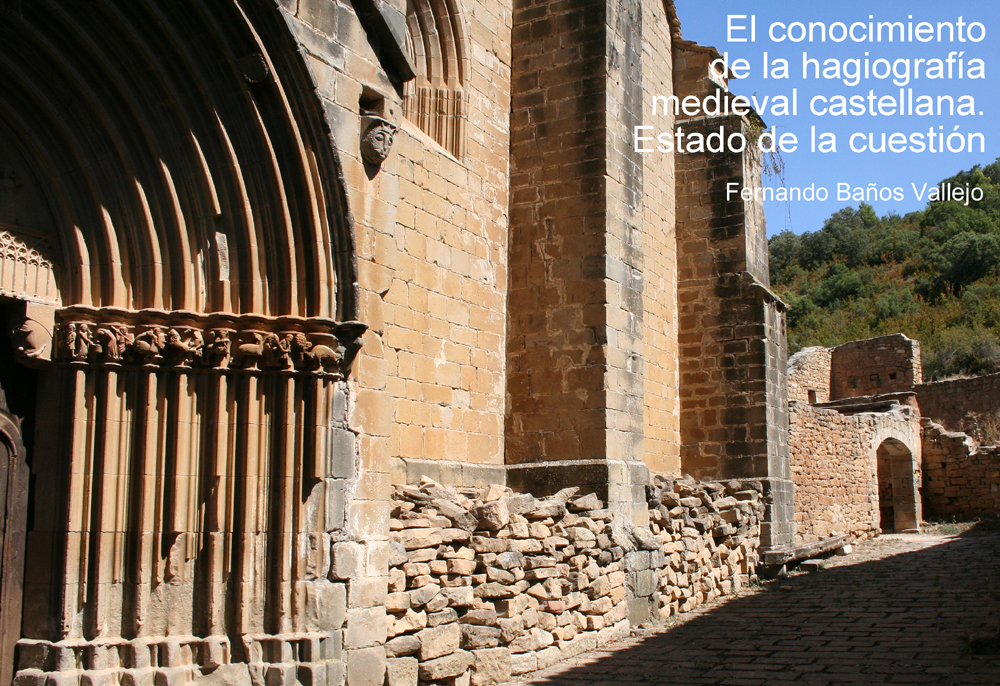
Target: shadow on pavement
987,526
904,619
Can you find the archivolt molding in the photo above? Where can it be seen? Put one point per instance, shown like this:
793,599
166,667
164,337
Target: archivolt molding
184,153
193,452
901,425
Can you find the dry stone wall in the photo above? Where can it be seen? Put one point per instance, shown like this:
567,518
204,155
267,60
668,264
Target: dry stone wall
949,403
486,584
960,478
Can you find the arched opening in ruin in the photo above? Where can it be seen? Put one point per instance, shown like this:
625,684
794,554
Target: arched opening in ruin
896,488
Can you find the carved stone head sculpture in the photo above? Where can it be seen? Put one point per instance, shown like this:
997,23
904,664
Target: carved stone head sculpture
376,138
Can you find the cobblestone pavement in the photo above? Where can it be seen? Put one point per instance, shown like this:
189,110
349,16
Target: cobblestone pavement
899,610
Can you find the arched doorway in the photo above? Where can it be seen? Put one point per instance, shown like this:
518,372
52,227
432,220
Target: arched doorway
196,257
899,508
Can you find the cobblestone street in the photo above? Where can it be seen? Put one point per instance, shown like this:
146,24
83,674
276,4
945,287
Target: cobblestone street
898,610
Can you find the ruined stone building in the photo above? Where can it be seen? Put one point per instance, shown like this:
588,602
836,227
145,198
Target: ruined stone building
263,261
874,448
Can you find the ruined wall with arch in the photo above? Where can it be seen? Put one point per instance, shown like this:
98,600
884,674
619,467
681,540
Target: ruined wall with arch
836,471
961,478
855,444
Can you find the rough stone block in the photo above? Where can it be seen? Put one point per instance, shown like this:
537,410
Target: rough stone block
366,667
367,592
474,636
280,675
365,627
226,675
549,656
523,663
134,677
326,605
347,559
401,671
446,666
424,594
439,640
491,666
402,646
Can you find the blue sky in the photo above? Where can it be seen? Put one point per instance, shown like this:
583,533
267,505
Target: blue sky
705,21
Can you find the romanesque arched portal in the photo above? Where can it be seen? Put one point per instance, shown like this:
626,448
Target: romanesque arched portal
178,237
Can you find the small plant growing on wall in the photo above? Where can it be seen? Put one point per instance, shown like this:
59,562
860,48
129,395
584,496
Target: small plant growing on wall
983,426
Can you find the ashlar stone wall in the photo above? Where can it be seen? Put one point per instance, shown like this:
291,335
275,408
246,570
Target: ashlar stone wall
445,308
731,326
659,244
809,375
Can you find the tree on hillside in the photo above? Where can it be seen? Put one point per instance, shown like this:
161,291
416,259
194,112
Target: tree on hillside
933,275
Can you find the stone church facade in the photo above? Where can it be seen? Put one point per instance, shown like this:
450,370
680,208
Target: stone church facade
264,261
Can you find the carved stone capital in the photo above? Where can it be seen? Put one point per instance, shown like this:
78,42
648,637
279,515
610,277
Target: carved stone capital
222,341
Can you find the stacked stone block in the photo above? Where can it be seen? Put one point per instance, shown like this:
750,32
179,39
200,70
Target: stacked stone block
485,584
961,479
708,536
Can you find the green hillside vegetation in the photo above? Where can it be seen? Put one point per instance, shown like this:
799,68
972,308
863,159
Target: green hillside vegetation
933,275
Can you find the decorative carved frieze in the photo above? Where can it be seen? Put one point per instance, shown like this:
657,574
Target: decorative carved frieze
26,266
162,339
